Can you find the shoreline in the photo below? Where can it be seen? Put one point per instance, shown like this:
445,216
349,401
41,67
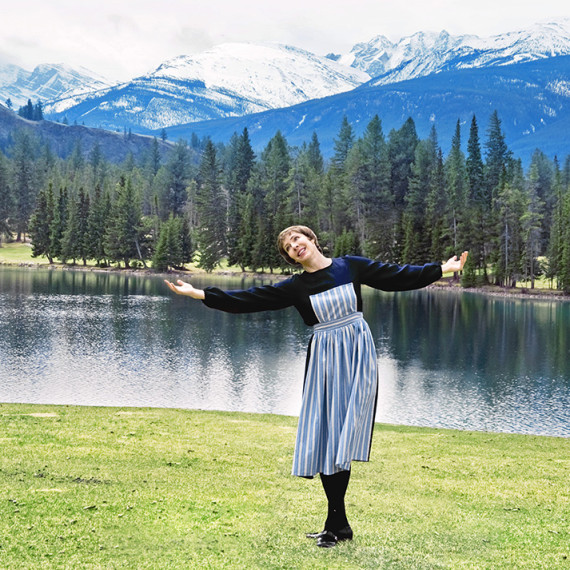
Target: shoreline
445,283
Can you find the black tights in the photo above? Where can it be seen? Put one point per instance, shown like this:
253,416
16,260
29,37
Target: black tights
335,489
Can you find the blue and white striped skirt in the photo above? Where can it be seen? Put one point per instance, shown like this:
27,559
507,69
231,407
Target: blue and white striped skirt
339,398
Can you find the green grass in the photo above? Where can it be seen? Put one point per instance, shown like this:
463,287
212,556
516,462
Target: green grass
19,253
85,487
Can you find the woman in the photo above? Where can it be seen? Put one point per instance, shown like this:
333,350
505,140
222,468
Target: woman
340,390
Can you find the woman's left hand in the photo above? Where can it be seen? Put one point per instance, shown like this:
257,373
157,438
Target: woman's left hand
452,265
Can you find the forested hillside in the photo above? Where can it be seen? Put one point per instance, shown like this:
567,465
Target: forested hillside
392,196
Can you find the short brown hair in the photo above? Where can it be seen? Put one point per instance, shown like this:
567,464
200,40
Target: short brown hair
308,232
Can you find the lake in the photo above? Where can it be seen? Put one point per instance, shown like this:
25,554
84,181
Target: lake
446,359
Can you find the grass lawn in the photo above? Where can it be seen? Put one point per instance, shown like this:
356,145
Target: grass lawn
19,253
85,487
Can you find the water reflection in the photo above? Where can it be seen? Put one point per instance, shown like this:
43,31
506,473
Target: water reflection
446,359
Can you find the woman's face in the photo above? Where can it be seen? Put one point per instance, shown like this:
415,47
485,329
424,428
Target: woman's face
299,247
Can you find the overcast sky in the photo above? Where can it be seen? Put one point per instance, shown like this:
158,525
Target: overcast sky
121,39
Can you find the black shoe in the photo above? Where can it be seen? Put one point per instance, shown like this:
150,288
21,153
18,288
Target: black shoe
327,539
341,534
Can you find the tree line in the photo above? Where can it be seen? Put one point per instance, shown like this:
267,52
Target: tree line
394,198
30,111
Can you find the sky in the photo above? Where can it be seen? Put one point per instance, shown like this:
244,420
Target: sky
121,39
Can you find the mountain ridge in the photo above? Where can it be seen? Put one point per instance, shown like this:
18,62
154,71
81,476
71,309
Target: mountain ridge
62,139
47,81
231,79
531,98
424,53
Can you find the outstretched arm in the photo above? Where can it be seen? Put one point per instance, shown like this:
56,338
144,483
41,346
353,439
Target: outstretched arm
453,264
255,299
184,288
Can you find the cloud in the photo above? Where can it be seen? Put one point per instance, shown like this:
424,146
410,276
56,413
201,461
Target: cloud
124,38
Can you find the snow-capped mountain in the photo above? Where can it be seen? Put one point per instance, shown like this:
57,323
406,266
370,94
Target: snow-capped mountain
434,78
46,82
231,79
425,53
531,98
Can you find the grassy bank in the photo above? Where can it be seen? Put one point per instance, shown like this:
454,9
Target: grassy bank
154,488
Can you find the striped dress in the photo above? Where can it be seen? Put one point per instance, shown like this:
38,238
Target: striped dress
341,385
339,397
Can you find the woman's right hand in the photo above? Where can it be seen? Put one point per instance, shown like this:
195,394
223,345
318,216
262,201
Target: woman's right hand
184,288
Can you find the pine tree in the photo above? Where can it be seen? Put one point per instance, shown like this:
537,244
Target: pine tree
96,225
75,243
311,213
342,145
497,155
478,203
24,179
354,197
251,212
84,211
123,230
304,184
97,163
69,245
40,224
456,183
38,113
469,275
417,240
511,205
59,224
178,169
275,167
239,168
160,257
314,155
212,211
377,198
437,211
554,251
76,158
564,273
531,226
401,152
6,200
27,111
169,248
346,244
154,159
186,245
339,191
543,173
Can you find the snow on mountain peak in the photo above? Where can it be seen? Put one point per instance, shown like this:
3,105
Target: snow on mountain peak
48,81
427,52
274,75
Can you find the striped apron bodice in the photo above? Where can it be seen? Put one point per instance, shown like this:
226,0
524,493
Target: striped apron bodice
339,395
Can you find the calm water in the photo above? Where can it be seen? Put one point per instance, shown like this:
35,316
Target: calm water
446,359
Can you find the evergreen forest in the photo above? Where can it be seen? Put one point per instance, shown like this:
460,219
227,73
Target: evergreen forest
393,197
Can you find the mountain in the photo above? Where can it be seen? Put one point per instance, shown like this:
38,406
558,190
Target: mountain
532,100
425,53
229,80
46,82
63,139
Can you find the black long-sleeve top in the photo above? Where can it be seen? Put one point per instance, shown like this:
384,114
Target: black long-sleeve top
297,290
